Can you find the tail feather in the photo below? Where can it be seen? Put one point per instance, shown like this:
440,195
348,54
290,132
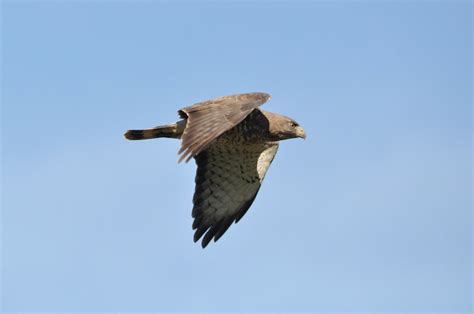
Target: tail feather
170,131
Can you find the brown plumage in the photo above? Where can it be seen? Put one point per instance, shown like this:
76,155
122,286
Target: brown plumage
233,143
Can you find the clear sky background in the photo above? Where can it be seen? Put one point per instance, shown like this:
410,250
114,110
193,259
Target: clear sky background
371,213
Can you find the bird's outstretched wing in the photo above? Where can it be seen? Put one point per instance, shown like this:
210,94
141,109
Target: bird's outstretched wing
227,181
209,119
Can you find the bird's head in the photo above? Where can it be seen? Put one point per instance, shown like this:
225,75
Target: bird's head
283,128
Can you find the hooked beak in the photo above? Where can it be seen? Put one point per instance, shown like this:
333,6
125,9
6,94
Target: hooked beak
300,132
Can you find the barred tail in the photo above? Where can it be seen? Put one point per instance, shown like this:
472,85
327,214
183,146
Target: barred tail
170,131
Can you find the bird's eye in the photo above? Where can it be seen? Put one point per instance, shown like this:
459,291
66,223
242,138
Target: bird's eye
293,124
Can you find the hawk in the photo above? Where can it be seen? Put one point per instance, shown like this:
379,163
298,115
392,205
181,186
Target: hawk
234,143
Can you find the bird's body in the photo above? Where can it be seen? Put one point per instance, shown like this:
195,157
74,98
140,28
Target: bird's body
233,143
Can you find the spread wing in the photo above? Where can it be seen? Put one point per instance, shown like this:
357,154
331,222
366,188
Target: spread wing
207,120
227,181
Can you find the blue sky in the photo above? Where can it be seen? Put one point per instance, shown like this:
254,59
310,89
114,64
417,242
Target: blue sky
371,213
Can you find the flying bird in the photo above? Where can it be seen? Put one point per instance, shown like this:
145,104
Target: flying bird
233,143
